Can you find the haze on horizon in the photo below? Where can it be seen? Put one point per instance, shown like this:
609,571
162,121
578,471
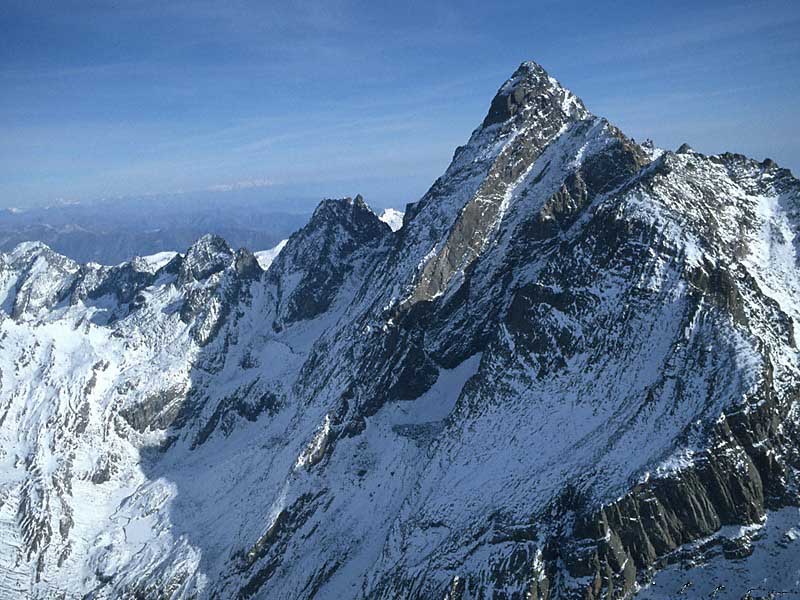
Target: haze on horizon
333,98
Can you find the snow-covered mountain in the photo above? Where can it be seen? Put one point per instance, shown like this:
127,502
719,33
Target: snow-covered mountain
572,370
393,218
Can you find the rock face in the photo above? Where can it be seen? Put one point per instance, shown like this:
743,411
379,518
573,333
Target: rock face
572,368
527,114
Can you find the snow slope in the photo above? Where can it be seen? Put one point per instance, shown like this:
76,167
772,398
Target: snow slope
265,257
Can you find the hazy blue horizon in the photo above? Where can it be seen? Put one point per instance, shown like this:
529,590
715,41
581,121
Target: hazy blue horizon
339,98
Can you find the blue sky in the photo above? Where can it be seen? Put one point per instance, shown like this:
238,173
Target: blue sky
335,98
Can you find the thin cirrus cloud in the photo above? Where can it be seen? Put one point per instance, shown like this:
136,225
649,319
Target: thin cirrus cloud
105,98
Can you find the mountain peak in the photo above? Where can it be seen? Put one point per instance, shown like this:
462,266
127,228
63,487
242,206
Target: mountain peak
530,110
208,255
532,70
530,91
26,251
319,257
393,218
353,214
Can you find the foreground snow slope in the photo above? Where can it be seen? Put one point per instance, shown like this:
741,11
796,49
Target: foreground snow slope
572,364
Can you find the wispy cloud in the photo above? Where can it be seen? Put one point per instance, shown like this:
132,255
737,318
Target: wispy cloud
248,184
114,98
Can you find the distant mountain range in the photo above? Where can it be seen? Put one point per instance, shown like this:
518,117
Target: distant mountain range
115,230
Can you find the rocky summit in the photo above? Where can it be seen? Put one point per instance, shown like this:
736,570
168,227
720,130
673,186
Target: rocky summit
570,371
